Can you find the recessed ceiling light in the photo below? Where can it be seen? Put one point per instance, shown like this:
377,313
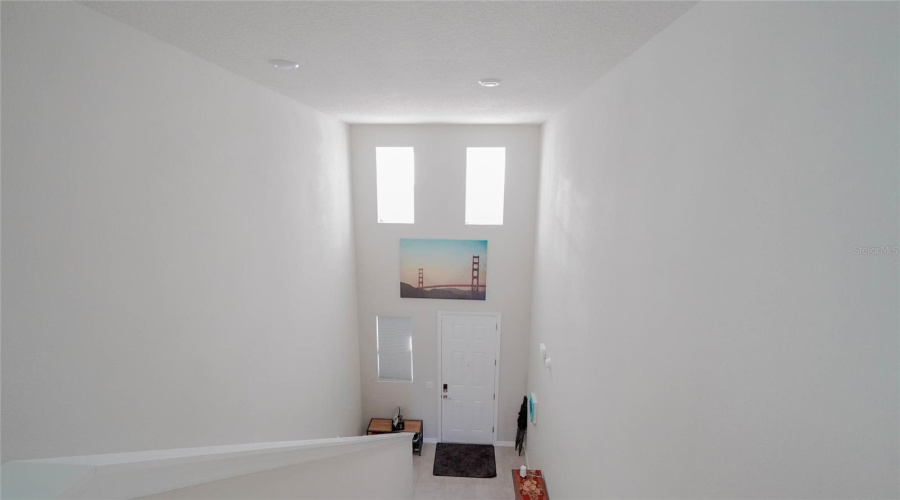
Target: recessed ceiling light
489,82
283,64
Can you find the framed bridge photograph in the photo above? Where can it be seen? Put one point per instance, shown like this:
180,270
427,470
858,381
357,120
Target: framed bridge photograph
443,269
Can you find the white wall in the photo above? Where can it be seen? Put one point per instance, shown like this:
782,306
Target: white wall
177,255
440,152
713,330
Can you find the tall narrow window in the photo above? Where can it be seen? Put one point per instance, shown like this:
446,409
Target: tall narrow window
395,172
485,172
393,344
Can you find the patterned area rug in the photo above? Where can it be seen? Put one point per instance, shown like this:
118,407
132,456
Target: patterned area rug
465,460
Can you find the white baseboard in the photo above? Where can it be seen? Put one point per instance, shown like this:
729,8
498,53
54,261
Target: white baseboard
430,440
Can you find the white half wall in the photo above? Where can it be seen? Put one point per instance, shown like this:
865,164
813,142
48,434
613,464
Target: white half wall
440,153
381,466
715,329
177,248
384,471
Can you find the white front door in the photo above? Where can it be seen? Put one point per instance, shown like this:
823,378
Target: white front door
468,361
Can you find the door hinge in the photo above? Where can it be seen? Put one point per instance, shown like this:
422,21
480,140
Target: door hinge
495,397
495,362
492,429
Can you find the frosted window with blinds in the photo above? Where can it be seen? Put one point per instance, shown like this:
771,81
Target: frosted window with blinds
394,348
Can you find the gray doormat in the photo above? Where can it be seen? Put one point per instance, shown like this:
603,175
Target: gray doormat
465,460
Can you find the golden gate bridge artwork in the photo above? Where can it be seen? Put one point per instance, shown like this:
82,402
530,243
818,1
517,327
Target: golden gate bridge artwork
443,269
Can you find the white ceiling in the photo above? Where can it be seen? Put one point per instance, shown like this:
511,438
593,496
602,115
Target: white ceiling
411,62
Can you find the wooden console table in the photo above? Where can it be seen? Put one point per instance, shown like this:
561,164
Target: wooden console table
383,426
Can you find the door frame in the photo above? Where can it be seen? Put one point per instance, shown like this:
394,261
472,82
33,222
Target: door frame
440,346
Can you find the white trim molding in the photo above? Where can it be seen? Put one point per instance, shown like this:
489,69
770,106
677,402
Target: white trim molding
138,474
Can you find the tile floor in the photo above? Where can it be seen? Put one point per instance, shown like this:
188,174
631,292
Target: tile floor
429,486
